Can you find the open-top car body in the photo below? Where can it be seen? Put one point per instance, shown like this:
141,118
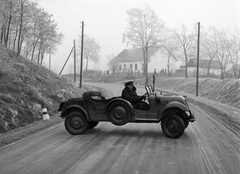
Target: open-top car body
87,111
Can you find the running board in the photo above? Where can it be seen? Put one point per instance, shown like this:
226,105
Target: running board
147,119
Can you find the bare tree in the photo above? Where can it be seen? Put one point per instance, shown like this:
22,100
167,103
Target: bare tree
234,53
23,10
170,48
112,64
37,26
9,19
186,43
49,38
223,46
24,24
209,46
27,48
2,20
8,9
144,29
91,49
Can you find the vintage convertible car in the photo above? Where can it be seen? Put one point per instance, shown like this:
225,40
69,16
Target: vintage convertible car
86,112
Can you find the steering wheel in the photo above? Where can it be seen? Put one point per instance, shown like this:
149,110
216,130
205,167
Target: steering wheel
151,89
147,90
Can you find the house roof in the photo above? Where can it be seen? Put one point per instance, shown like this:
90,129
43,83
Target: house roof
133,55
203,63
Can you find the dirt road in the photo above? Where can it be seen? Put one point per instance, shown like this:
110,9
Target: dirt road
207,146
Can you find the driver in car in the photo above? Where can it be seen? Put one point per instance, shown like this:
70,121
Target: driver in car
129,93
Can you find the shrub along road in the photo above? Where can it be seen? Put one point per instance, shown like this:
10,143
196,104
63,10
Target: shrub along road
208,145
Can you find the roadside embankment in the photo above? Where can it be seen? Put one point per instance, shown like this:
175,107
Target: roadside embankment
225,91
26,88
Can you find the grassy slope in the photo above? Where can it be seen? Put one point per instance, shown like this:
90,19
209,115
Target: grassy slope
224,91
25,87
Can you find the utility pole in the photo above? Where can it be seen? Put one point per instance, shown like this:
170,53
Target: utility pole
80,84
74,61
66,61
198,43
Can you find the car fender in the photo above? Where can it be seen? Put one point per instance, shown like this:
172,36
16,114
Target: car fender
121,100
176,107
66,111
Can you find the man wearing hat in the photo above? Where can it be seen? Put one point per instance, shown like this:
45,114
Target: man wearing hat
129,93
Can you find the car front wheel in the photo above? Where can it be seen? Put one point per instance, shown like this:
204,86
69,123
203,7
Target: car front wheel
76,123
186,122
173,126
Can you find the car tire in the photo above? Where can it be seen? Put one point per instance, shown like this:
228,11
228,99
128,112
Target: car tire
76,123
119,113
173,126
186,122
92,124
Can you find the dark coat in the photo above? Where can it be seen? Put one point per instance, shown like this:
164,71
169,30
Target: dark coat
130,95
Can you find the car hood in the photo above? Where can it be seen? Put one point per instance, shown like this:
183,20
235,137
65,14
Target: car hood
180,99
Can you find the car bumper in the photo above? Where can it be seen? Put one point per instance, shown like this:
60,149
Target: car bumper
192,117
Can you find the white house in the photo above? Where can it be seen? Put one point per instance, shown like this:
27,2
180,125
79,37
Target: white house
131,60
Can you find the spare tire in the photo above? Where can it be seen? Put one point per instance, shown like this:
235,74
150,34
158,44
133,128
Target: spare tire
119,113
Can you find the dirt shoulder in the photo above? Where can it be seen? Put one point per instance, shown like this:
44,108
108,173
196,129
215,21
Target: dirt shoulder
23,132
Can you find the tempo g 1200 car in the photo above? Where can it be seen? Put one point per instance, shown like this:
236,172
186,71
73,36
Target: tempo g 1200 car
172,111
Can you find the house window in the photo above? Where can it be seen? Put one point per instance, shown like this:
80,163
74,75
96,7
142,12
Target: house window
130,66
124,67
136,67
120,67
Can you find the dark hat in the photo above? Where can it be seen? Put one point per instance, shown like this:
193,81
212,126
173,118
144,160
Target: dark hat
129,83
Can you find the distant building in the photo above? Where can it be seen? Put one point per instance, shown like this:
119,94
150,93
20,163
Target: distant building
131,60
204,65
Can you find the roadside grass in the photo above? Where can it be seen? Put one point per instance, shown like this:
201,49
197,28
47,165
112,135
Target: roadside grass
225,91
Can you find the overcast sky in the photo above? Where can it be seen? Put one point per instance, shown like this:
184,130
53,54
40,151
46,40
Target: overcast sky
105,21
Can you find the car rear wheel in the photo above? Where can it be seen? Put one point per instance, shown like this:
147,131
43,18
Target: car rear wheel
119,113
173,126
76,123
92,124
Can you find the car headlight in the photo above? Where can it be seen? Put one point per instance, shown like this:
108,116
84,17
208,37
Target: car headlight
188,113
